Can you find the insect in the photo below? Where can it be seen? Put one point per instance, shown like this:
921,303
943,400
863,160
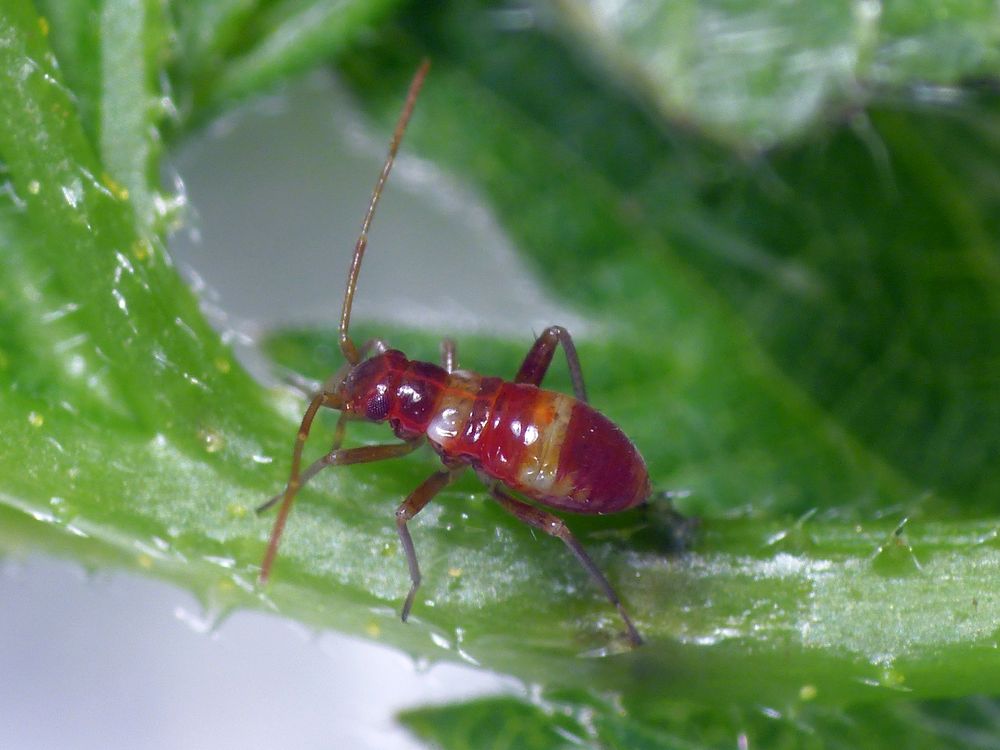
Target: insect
521,440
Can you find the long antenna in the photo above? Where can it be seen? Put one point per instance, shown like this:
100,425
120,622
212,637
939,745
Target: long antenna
347,347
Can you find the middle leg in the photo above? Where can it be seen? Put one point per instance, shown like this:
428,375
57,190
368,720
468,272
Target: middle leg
536,362
406,511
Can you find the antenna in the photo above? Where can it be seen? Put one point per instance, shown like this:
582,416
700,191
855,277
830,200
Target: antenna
347,347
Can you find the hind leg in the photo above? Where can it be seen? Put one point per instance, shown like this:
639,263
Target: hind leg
555,526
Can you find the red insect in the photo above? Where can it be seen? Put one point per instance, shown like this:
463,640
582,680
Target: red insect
548,447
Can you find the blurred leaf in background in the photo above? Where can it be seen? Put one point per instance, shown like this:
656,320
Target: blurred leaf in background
782,224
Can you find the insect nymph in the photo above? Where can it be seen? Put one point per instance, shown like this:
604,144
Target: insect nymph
521,440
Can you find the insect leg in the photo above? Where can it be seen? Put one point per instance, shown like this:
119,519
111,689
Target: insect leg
314,468
448,361
340,457
538,359
307,387
555,526
321,399
407,510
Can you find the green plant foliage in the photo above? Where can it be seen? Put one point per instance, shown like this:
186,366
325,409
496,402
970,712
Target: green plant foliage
824,262
835,602
230,49
578,721
803,342
759,73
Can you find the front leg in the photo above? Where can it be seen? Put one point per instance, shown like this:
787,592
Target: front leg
538,359
339,457
315,467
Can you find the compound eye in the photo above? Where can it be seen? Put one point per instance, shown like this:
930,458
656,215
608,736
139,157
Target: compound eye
377,407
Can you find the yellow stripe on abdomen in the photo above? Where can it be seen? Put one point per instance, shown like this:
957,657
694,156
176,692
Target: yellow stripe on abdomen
543,440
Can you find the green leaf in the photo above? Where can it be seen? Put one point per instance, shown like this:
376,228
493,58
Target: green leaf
492,724
758,73
833,605
802,343
574,721
821,304
232,49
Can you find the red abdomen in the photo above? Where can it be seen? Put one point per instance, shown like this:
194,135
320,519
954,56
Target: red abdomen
546,445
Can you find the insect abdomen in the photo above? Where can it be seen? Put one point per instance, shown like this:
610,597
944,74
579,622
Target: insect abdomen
546,445
565,454
600,465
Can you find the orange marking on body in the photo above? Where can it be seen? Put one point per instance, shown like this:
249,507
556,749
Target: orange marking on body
543,439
